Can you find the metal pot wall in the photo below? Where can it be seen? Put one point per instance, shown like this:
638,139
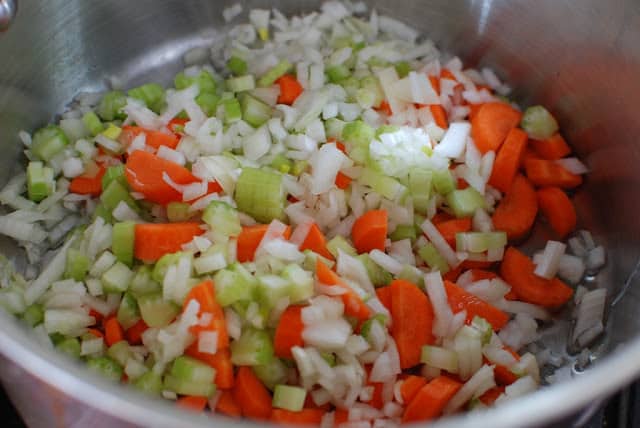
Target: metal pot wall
580,58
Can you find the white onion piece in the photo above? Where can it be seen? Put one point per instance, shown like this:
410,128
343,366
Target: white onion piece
439,242
454,141
479,383
550,260
438,296
573,165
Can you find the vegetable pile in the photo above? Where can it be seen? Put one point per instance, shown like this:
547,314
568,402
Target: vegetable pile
320,229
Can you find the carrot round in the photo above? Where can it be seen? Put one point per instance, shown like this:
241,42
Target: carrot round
460,300
558,209
544,172
251,395
353,304
412,321
249,240
153,139
517,211
154,240
508,160
491,124
204,294
290,89
316,242
189,402
288,332
431,399
410,387
449,228
227,405
302,417
85,185
554,147
370,231
439,115
145,174
113,332
517,269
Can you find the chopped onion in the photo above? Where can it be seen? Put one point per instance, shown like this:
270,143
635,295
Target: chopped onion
550,260
573,165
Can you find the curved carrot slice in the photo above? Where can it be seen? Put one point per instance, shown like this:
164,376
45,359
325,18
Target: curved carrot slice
439,115
431,399
384,295
249,240
316,242
517,269
204,294
303,417
288,332
370,231
491,124
508,160
85,185
460,300
353,304
554,147
227,405
517,211
154,139
189,402
412,321
410,387
154,240
558,209
544,172
144,172
251,395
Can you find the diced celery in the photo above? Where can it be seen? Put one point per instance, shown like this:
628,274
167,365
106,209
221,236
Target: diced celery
12,299
440,358
433,258
211,260
386,129
191,370
142,282
329,358
102,211
223,218
340,243
289,397
183,387
539,123
465,202
112,132
111,104
208,102
128,313
254,111
365,330
419,184
336,73
77,265
311,258
281,163
272,373
106,367
378,276
204,79
412,274
351,85
48,142
40,181
479,242
161,266
402,68
149,383
301,283
443,181
33,315
117,278
232,110
403,231
387,186
120,352
70,346
254,347
241,83
123,241
274,73
116,193
152,94
155,311
483,326
114,172
272,288
260,194
237,66
178,211
334,127
299,167
232,286
92,123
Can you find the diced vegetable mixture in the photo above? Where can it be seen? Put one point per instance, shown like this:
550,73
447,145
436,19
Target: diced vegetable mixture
321,228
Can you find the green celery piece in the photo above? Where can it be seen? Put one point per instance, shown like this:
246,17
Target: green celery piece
123,241
232,287
337,73
365,330
232,110
57,338
77,265
120,352
402,68
241,83
465,202
152,94
329,357
311,258
114,194
358,134
161,266
403,231
178,211
117,278
92,123
40,181
443,181
272,373
387,186
48,142
254,347
260,194
143,283
412,274
189,369
155,311
281,163
484,327
254,111
69,346
114,172
237,66
272,288
182,387
479,242
149,383
106,367
299,166
128,313
206,82
301,283
110,106
419,184
112,132
351,85
208,102
223,217
274,73
430,255
372,84
539,123
378,276
33,315
334,127
386,129
289,398
340,243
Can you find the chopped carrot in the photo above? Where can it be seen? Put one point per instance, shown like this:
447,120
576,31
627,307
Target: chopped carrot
410,387
517,211
353,304
475,264
290,89
370,231
445,73
460,300
492,123
439,115
227,405
249,240
554,147
529,153
316,242
384,295
153,139
97,316
112,331
134,333
376,398
473,110
310,404
289,331
517,269
88,185
384,108
303,417
544,172
252,396
453,274
441,217
154,240
435,83
558,209
412,320
449,228
145,173
176,123
221,361
489,397
431,399
508,160
340,416
190,402
204,294
480,274
503,375
342,180
95,332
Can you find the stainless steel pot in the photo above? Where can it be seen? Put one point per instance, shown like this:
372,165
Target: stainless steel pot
580,58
